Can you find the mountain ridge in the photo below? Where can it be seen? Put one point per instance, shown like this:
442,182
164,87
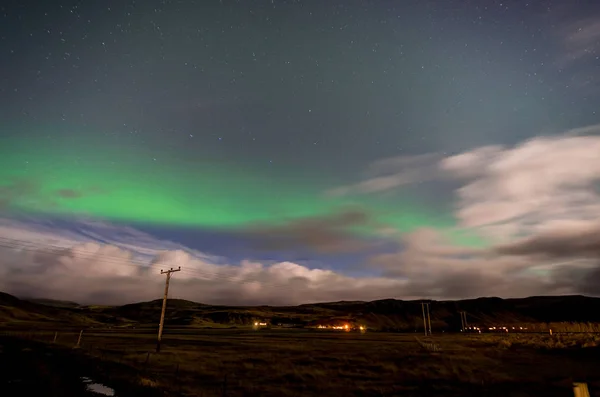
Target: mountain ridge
382,315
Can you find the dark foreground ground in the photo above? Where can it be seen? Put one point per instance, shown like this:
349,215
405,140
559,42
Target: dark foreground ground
31,368
27,370
298,363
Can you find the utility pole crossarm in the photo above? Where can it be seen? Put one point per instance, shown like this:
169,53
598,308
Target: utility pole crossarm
171,270
164,304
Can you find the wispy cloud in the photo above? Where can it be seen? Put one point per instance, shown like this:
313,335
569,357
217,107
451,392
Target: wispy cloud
19,191
538,180
537,202
328,233
579,45
580,39
393,172
89,267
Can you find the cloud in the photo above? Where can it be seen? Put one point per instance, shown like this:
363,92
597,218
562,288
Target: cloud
54,234
512,189
432,265
17,190
546,179
537,204
574,239
330,233
76,266
583,279
574,249
29,192
392,173
93,273
580,39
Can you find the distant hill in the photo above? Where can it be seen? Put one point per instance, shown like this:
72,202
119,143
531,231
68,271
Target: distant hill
53,302
19,311
383,315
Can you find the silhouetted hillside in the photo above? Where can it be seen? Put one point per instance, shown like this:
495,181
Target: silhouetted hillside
53,302
385,315
18,311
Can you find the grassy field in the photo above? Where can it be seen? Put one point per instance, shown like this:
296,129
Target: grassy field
311,363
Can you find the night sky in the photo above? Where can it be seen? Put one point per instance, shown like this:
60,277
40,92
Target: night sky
337,149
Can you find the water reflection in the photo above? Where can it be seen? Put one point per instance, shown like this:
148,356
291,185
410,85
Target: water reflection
97,387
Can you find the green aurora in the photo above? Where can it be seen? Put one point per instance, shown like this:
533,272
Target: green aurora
129,184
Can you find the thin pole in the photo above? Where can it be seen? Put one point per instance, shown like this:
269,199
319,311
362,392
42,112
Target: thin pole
428,318
79,339
424,321
164,305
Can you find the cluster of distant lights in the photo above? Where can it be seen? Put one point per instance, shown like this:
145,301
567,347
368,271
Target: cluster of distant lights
345,327
505,329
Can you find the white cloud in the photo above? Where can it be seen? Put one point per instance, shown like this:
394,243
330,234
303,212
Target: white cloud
431,263
514,190
542,180
580,39
538,201
92,272
392,173
142,245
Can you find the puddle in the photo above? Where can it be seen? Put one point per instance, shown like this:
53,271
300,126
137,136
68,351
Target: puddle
97,387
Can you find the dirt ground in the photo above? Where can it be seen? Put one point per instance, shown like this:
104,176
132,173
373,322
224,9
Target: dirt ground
27,370
310,363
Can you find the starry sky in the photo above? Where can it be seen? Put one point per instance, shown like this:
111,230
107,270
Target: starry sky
346,137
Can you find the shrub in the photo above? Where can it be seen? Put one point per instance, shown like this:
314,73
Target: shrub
504,344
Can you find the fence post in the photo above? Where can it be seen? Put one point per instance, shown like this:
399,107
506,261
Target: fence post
55,337
580,389
79,339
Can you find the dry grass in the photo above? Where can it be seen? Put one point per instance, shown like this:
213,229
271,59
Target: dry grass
541,341
557,327
146,382
300,363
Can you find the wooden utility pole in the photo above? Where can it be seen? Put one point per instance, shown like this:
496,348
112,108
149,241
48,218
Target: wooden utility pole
424,321
463,321
79,339
164,305
581,389
426,318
